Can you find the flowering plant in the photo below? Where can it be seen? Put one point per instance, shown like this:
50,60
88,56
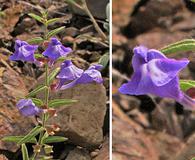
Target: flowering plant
68,76
156,74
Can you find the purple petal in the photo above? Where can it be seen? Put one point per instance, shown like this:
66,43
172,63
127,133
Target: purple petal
162,71
68,72
187,102
131,87
56,50
24,52
155,54
69,85
27,107
139,57
89,76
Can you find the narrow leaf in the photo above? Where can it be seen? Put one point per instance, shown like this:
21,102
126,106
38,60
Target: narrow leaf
55,31
53,20
44,137
36,40
36,17
39,56
37,102
53,74
186,84
54,139
36,90
61,102
16,139
31,134
181,46
25,155
104,60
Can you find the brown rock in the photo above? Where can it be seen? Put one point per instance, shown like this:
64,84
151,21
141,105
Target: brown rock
2,157
78,154
104,151
158,39
11,121
82,122
130,144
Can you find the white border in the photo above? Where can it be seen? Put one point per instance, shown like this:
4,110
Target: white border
110,85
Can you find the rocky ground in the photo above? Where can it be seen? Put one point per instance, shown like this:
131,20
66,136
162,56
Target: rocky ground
144,127
86,124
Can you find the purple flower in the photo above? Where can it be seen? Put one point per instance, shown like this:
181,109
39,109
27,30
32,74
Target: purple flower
72,75
27,107
56,50
23,52
156,74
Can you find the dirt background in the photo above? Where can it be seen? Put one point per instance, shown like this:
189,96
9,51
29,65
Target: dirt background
86,123
145,127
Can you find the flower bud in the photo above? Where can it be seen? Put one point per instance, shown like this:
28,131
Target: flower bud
48,149
37,148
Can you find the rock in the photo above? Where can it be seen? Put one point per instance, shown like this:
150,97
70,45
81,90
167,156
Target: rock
130,144
138,145
151,14
78,154
82,122
11,121
97,8
158,39
2,157
104,151
187,151
121,11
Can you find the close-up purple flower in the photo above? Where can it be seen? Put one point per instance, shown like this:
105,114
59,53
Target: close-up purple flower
70,75
27,107
55,50
23,52
156,74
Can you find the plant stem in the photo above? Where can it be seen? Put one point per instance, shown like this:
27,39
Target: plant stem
47,91
87,11
98,29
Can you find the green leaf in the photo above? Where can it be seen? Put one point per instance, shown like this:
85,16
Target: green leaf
35,131
25,155
36,40
53,20
181,46
36,17
193,2
36,90
53,74
37,102
54,32
39,56
104,60
61,102
186,84
54,139
16,139
44,137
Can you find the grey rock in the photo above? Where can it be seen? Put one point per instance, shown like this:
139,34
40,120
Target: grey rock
82,122
97,8
78,154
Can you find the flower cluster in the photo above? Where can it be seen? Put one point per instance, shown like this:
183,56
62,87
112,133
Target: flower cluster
69,74
156,74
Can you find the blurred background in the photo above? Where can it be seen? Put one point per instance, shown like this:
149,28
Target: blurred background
149,127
